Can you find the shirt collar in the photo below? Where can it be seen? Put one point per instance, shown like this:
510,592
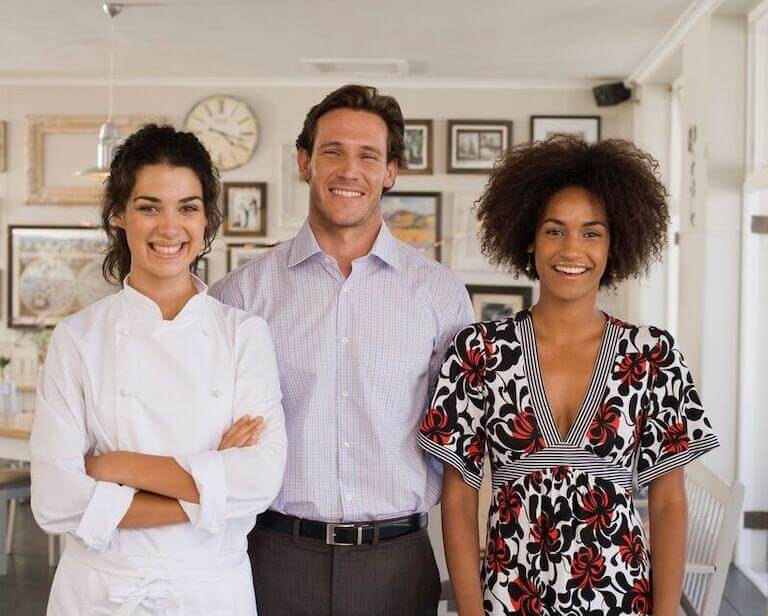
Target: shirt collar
305,245
142,307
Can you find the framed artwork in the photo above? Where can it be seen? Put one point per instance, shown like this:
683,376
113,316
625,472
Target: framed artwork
414,217
57,146
495,303
245,208
2,146
53,272
474,145
419,148
586,127
240,254
202,269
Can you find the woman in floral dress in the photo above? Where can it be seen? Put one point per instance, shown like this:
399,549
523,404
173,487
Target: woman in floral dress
575,408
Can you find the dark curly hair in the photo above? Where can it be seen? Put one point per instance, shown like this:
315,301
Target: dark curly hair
619,174
152,145
360,98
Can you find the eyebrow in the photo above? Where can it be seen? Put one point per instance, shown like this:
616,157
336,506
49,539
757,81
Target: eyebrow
367,148
591,223
156,200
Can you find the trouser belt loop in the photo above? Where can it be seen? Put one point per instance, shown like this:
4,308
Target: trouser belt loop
296,529
375,541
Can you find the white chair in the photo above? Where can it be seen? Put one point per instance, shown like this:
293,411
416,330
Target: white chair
14,484
714,513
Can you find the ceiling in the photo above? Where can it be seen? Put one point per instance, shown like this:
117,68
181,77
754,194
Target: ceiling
266,39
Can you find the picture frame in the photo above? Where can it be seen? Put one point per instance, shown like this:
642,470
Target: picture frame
245,208
419,147
40,129
585,126
202,271
53,271
498,302
474,145
239,254
2,146
415,218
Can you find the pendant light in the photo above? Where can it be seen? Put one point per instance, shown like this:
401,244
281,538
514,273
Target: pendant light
109,134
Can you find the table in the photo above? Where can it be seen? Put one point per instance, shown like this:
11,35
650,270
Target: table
15,431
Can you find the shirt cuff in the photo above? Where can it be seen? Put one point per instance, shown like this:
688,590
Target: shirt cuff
106,508
207,469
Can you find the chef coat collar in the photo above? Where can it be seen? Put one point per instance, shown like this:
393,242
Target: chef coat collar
142,307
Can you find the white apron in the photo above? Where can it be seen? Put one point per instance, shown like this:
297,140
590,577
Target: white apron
119,377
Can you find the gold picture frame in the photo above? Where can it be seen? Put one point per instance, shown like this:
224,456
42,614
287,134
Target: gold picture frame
2,146
40,126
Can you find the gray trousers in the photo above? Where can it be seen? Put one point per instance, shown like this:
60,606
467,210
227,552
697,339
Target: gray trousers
305,577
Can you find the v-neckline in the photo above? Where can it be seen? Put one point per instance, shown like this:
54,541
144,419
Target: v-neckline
592,395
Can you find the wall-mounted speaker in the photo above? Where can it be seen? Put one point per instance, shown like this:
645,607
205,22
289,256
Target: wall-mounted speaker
610,94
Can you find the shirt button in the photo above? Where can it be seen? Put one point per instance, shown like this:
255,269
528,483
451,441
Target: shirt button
349,497
206,332
125,331
347,444
345,394
345,289
124,393
216,393
344,340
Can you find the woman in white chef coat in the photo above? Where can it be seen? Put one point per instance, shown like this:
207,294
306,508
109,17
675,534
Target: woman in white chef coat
159,433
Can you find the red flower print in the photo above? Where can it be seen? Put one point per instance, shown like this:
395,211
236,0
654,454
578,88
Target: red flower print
596,509
561,473
604,425
587,568
546,537
510,503
637,431
526,437
640,597
525,597
473,366
434,426
497,555
476,450
631,549
676,439
632,369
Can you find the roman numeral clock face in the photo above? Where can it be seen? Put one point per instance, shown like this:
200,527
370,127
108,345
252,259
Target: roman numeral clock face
227,128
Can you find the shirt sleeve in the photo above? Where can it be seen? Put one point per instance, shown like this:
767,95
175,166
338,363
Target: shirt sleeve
64,498
453,428
243,482
676,430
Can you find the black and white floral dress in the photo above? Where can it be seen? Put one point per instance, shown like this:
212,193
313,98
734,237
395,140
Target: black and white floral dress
564,536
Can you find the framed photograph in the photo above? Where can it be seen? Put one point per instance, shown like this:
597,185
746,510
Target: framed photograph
495,303
245,208
58,146
586,127
474,145
419,147
2,146
53,272
414,217
240,254
202,270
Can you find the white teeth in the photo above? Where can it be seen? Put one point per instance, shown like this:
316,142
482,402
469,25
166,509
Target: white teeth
166,250
565,269
348,194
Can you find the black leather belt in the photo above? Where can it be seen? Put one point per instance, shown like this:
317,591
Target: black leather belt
355,533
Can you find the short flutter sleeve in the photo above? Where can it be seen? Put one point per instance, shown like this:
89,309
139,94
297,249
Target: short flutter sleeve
676,430
453,429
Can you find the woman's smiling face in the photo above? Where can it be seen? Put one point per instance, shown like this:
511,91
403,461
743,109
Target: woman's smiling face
571,244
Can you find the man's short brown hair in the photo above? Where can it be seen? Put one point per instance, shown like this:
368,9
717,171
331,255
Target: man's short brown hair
359,98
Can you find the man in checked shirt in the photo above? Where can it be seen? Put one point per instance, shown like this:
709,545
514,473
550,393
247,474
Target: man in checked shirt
361,322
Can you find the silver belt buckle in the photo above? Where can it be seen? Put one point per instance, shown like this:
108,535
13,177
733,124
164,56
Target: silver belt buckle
330,538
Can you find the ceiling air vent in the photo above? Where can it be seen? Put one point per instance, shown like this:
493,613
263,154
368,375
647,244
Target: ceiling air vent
356,66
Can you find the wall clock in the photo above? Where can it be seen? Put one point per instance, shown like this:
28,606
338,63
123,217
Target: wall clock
227,127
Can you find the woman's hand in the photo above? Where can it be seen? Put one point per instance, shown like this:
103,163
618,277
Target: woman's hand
243,433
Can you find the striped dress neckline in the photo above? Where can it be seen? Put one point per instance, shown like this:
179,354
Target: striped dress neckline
592,396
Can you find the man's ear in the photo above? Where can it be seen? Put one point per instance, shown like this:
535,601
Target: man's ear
302,161
392,168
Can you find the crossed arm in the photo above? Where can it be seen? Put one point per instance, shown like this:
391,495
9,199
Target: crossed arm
161,481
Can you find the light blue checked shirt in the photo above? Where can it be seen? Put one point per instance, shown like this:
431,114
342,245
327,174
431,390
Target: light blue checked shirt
358,361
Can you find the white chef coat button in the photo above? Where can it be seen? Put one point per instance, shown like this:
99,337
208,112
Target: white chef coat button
206,332
125,331
216,393
125,393
345,394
